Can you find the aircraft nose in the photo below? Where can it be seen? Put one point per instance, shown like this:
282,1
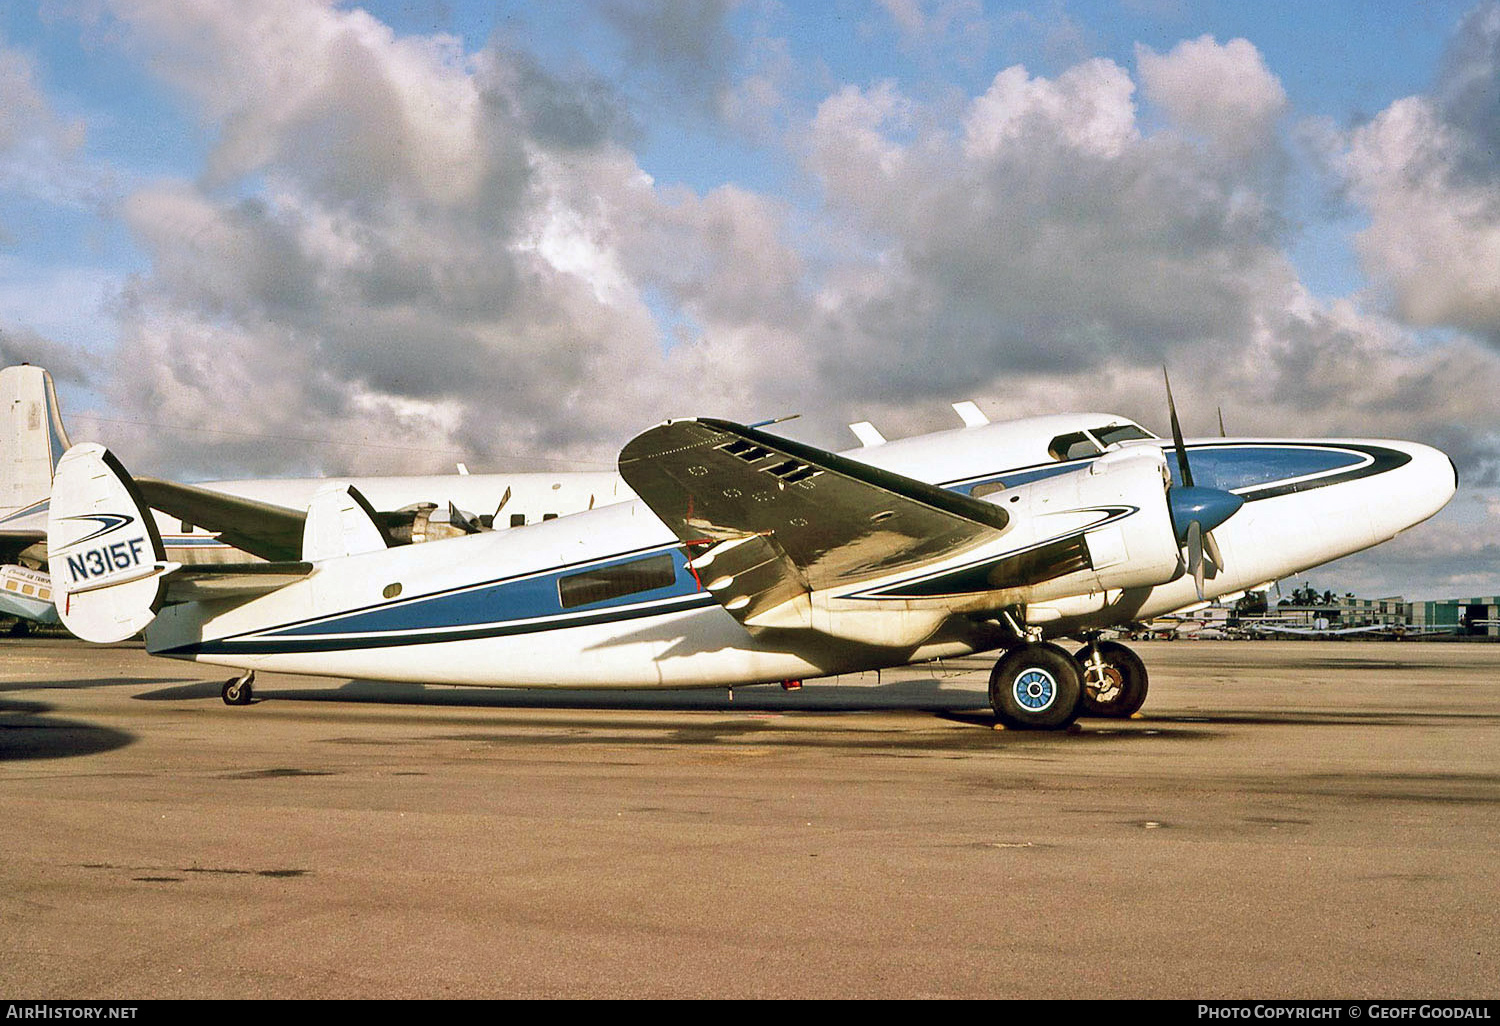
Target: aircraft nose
1423,486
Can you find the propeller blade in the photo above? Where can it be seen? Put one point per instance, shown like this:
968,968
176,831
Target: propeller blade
1195,556
1183,470
458,518
1211,547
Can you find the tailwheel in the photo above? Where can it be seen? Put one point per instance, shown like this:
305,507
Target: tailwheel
239,690
1114,680
1035,687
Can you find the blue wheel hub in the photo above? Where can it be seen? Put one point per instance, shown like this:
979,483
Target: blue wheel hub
1034,689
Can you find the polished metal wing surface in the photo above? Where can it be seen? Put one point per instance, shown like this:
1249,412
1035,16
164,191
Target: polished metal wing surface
820,519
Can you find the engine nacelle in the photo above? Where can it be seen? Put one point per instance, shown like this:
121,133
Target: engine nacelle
1119,508
427,521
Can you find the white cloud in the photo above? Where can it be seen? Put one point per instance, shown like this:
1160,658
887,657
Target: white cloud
1434,235
1089,107
1427,172
1223,92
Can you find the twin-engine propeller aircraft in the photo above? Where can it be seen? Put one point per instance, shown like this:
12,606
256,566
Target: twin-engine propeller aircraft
750,558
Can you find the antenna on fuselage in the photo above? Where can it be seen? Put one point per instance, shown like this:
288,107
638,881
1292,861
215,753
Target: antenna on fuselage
973,416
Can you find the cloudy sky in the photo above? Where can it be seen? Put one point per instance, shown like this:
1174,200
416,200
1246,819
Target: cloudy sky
288,236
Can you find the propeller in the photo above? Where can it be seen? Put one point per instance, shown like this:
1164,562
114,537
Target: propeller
1196,511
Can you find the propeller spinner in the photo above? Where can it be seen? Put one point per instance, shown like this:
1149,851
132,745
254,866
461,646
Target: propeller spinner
1195,511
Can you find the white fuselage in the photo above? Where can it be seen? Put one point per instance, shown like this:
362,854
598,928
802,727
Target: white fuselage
486,609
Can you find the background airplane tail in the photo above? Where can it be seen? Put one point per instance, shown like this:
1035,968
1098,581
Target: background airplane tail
32,437
106,557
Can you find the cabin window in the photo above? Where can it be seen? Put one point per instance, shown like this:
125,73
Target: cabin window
518,520
611,582
549,516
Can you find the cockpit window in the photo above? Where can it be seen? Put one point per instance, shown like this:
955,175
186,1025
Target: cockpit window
1072,446
1120,433
1080,444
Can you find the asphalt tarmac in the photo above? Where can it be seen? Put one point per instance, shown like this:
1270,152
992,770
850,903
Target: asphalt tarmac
1284,820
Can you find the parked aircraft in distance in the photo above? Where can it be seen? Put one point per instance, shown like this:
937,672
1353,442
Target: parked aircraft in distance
1323,628
751,558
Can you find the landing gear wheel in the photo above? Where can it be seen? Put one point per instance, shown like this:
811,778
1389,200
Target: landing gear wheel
239,690
1115,689
1035,687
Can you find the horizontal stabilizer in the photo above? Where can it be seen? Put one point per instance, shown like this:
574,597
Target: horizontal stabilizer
208,581
105,554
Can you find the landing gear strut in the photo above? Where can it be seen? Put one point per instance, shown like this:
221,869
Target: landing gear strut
1114,680
1035,686
239,690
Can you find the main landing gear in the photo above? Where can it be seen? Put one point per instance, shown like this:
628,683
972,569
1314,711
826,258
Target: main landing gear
1039,686
239,690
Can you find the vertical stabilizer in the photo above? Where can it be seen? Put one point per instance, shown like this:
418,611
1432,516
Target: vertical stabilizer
32,438
104,552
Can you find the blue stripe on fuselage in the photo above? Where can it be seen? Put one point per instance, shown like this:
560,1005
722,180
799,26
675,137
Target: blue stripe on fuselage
529,597
1255,470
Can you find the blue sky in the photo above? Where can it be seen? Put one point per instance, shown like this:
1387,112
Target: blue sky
404,233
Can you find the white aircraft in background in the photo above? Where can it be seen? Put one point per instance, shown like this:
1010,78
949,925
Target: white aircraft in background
749,558
32,440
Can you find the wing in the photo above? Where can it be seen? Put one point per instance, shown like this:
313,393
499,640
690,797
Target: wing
772,519
22,528
260,528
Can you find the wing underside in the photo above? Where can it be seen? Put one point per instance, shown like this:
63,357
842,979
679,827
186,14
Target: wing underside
262,529
770,520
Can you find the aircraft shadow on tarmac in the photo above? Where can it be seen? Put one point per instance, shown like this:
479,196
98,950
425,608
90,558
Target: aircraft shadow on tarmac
921,695
941,698
26,732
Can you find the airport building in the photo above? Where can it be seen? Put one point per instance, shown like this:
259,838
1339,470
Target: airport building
1464,617
1474,617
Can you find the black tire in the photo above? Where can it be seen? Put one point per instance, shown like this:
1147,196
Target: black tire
1132,683
236,693
1035,687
